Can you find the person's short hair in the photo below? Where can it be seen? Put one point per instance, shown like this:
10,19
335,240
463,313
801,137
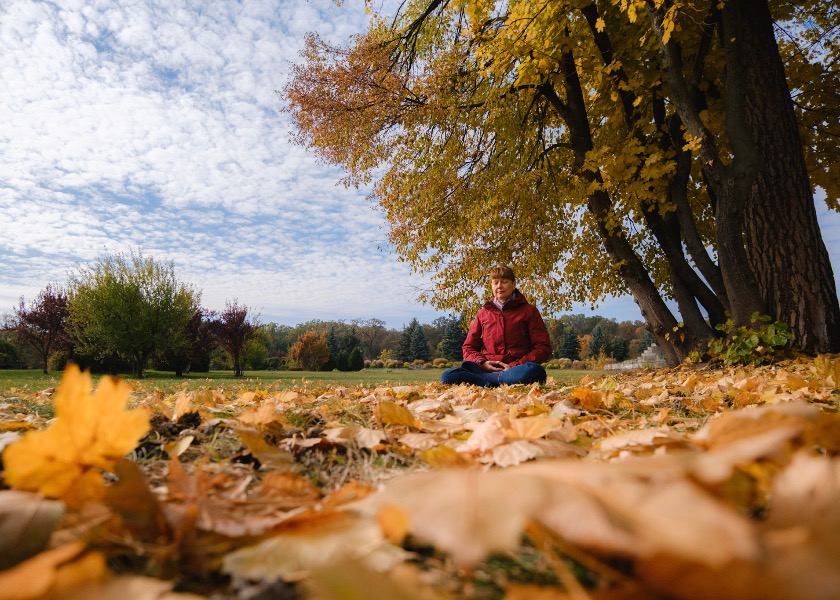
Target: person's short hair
502,272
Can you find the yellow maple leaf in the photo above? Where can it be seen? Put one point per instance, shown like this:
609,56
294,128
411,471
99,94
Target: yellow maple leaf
90,433
391,413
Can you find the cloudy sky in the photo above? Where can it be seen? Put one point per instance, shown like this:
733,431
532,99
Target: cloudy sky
153,126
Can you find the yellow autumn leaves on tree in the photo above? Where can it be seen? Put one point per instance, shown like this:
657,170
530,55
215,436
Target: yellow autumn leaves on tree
91,431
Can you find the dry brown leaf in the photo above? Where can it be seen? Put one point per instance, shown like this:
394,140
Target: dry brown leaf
533,427
420,441
351,580
463,512
26,522
269,455
487,435
315,543
179,446
133,588
34,577
265,414
512,453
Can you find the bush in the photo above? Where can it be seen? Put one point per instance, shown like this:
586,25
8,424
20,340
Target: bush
558,363
310,352
58,361
746,345
440,362
275,363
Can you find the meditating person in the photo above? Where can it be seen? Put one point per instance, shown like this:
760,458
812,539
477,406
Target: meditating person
506,341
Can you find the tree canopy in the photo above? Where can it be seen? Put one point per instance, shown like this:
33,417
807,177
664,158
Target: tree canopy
233,328
600,147
131,306
43,325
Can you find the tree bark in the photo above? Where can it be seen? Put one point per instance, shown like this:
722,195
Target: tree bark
784,244
730,184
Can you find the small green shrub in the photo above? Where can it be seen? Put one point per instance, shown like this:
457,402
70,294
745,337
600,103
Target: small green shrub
750,345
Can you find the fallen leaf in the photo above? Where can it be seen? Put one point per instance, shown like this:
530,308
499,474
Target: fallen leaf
89,433
26,522
591,400
391,413
314,543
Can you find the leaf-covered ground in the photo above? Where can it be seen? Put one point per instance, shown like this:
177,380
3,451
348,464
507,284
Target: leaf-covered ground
696,482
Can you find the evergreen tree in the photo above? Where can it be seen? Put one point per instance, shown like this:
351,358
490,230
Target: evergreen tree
350,340
620,348
342,362
597,344
403,350
419,343
334,346
453,340
356,362
571,346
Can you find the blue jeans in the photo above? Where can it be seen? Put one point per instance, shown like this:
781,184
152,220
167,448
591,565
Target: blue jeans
470,372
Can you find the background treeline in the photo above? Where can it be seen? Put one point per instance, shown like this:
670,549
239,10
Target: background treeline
127,313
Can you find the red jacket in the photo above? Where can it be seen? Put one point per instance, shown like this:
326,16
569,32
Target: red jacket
515,335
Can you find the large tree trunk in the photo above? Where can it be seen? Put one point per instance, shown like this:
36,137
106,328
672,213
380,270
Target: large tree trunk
784,243
729,184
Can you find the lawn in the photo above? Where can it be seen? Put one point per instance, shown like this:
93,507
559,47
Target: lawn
35,380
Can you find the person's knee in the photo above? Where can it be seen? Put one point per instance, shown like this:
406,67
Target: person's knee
451,376
539,373
534,373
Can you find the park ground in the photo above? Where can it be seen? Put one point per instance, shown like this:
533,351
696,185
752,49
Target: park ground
694,482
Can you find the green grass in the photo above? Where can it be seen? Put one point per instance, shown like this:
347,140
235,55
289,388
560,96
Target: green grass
34,380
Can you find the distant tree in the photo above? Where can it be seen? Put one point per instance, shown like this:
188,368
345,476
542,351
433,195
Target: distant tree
192,346
620,348
129,306
349,340
42,326
371,332
356,362
435,331
556,331
334,344
418,343
571,346
598,342
341,361
402,351
8,352
278,338
255,353
453,339
310,352
232,329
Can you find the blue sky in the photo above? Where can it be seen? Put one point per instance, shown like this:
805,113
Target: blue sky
153,125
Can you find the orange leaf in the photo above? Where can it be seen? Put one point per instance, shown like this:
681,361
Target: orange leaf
591,400
90,432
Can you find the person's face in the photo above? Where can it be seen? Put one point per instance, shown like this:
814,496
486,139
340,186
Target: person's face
502,288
